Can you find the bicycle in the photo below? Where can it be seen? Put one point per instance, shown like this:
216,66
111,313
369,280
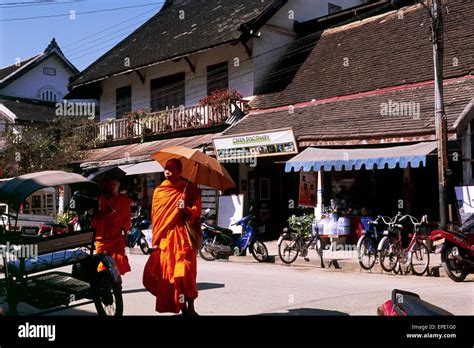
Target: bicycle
369,241
392,253
294,242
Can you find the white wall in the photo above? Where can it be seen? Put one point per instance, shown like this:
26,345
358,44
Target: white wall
275,35
30,84
240,78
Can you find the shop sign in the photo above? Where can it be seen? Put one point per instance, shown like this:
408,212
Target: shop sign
257,144
308,189
465,199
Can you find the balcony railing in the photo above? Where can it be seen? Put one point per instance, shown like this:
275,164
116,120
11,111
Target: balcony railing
160,122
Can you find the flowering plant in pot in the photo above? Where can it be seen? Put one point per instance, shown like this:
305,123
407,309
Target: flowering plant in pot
219,101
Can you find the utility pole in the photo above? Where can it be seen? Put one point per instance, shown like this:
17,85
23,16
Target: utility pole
440,116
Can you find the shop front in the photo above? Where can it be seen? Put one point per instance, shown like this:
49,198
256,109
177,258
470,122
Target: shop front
367,182
256,160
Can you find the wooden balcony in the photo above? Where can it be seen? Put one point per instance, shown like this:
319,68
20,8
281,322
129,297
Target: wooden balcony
153,123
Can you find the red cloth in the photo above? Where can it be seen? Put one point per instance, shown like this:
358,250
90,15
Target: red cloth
114,216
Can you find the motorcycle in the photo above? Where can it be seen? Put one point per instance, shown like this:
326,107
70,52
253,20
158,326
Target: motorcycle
48,230
218,242
404,303
456,249
136,236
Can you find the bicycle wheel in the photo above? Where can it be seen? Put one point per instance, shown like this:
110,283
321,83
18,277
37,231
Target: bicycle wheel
288,249
107,296
259,251
367,253
389,254
419,259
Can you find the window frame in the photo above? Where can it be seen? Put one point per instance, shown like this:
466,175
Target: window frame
123,106
211,74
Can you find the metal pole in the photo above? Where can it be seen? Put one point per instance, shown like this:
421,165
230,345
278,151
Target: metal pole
440,116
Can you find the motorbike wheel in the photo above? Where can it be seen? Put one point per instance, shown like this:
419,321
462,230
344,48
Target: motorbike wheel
287,246
420,259
259,251
367,253
144,247
451,265
208,256
107,296
388,255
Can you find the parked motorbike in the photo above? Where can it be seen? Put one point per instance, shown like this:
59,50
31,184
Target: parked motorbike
48,230
404,303
136,236
456,249
218,242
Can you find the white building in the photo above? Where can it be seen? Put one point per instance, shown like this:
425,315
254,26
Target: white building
29,89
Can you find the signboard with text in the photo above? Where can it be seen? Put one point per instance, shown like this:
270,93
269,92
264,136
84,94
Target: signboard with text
257,144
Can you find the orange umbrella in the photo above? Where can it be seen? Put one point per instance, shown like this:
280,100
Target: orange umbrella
198,167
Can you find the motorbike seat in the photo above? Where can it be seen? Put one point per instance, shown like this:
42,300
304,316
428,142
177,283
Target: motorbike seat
218,229
416,306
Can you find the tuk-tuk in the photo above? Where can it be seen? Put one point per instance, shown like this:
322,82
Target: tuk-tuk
29,260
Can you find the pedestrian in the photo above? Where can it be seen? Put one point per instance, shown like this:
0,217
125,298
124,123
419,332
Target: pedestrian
112,222
170,273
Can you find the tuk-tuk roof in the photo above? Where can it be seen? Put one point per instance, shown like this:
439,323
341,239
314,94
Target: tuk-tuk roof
14,191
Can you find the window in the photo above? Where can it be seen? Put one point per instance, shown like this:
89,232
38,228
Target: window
217,77
49,71
167,92
123,101
3,128
332,8
49,95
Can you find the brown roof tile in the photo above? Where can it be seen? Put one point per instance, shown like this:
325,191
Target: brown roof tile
387,50
360,119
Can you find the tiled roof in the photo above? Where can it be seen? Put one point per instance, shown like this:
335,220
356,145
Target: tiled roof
386,50
138,152
29,110
7,71
362,119
206,23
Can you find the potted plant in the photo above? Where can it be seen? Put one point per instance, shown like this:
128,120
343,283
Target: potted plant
219,101
302,224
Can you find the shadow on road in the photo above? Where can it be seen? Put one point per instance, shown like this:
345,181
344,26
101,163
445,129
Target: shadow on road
208,286
307,312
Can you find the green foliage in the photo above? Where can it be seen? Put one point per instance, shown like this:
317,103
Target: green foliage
48,146
63,219
301,224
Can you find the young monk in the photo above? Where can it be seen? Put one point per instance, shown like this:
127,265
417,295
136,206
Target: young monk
114,216
176,237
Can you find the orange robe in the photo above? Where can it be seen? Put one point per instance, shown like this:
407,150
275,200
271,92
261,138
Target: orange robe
175,266
109,225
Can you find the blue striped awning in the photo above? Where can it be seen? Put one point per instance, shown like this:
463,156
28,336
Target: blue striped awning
317,159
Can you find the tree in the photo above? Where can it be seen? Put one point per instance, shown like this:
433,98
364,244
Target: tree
51,146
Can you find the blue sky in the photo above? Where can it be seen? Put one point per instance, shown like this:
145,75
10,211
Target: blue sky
82,39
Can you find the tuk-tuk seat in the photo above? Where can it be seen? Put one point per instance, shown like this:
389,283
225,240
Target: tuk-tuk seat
48,261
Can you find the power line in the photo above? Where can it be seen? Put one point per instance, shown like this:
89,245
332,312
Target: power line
108,28
76,13
145,102
36,3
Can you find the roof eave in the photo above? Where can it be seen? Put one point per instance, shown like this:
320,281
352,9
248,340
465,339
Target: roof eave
73,86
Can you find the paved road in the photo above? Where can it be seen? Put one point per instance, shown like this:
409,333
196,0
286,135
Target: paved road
247,288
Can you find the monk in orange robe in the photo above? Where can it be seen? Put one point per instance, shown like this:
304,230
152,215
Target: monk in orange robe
113,217
176,219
